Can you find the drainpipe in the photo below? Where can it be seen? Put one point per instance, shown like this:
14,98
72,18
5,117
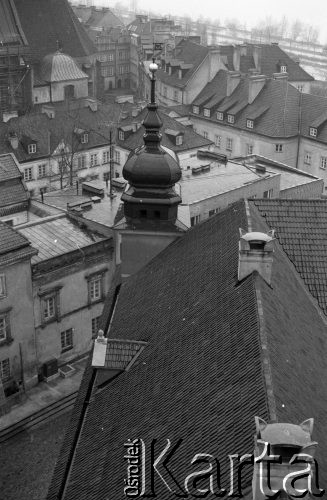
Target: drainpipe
299,131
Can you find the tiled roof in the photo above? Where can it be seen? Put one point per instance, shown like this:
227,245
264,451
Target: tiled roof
191,139
275,108
8,168
56,237
187,52
10,29
46,22
59,67
11,240
301,229
12,194
272,56
202,377
38,125
104,18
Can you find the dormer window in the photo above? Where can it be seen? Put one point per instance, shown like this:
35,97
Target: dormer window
179,140
220,116
121,135
249,123
230,118
313,132
84,138
206,112
283,69
31,148
196,110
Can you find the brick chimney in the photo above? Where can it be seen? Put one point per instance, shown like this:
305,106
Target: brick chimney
215,63
257,55
233,79
282,440
256,84
237,57
255,254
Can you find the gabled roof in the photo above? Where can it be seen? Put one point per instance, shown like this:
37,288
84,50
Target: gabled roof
301,228
276,107
187,52
11,240
48,22
191,140
219,352
271,58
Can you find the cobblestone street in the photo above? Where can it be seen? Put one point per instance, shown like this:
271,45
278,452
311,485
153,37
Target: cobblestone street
28,459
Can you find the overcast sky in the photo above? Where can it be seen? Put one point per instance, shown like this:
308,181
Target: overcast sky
248,12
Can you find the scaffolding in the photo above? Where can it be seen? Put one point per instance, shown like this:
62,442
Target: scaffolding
15,85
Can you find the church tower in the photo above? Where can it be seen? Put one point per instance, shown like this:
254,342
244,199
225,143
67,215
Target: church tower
150,220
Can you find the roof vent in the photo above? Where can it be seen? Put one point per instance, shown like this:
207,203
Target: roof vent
255,254
285,440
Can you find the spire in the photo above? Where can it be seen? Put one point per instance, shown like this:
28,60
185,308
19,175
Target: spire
151,173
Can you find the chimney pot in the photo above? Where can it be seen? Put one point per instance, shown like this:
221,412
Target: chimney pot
255,254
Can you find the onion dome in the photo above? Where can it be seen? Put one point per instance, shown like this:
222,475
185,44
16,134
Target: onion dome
59,67
151,172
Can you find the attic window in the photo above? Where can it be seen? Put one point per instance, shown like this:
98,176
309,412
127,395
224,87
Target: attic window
121,135
179,140
249,123
84,138
283,69
220,116
31,148
196,110
206,112
230,118
313,132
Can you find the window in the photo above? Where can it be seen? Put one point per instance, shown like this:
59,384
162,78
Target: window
175,95
42,170
121,70
94,159
121,135
84,138
229,144
28,174
49,308
117,157
230,118
249,149
218,141
81,162
323,162
179,140
110,57
307,158
165,91
95,326
279,148
213,212
5,333
196,110
31,148
5,370
249,123
3,291
220,115
180,74
300,88
268,194
105,156
195,220
283,69
205,135
206,112
313,132
95,287
66,338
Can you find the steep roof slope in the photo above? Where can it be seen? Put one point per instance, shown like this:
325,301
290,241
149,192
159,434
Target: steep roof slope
46,22
216,357
301,229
